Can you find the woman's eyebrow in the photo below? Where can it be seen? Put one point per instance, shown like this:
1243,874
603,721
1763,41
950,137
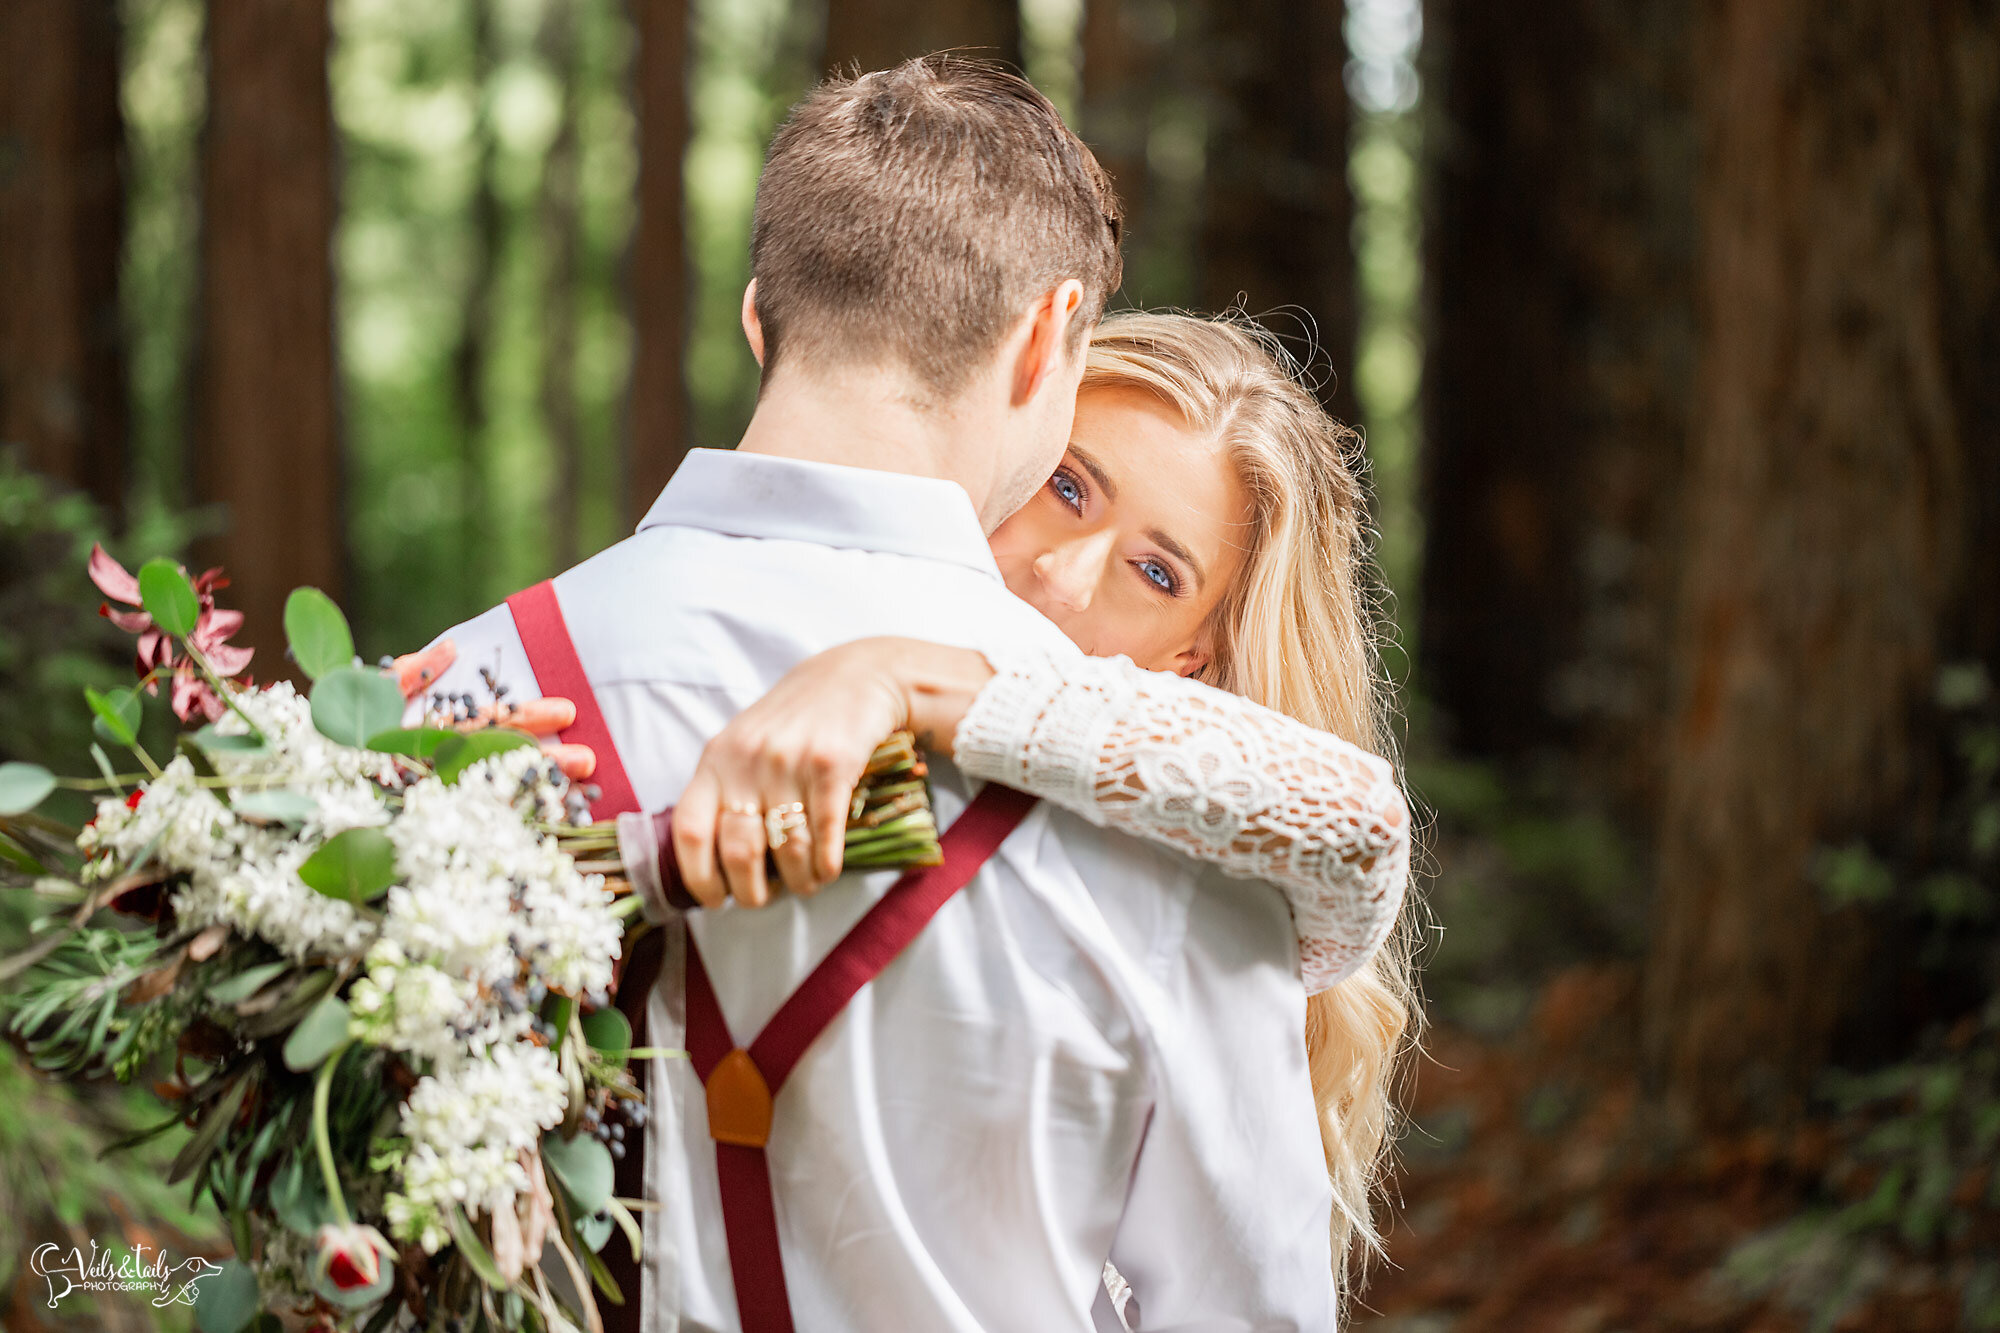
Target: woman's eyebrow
1096,471
1165,541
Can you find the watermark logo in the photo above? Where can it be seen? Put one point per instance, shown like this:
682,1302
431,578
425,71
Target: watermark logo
159,1277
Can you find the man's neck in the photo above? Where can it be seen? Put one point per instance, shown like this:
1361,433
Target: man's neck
871,420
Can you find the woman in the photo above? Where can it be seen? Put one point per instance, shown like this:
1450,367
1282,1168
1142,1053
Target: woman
1206,523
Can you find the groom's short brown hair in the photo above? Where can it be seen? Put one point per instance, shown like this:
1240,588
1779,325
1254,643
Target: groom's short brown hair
911,214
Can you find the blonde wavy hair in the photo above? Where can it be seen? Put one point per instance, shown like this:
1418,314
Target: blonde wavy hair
1297,633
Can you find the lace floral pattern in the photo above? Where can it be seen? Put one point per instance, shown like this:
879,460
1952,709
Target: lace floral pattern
1212,775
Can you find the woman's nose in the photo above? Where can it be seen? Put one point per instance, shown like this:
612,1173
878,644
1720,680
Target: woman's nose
1071,572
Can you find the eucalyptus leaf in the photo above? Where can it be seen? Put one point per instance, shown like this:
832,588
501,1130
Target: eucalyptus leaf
277,805
227,1299
463,751
608,1032
583,1165
594,1230
18,856
476,1254
354,866
227,742
245,983
297,1196
317,632
168,597
118,713
350,704
23,787
319,1034
414,743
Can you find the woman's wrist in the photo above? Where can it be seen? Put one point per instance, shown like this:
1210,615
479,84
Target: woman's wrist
937,683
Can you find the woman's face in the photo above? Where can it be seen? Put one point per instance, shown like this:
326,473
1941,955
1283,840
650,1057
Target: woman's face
1135,539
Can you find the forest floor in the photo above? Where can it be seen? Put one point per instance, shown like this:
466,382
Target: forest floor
1538,1196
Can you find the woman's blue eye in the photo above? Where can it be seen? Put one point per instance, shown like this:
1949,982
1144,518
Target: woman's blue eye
1067,489
1161,576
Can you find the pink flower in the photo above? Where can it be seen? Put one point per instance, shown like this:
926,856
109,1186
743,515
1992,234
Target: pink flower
191,690
350,1257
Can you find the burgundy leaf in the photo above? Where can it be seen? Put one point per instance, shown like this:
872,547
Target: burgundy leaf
228,658
111,578
188,691
132,622
215,626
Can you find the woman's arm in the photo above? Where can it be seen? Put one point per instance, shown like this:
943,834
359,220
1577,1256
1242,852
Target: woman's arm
1213,775
1151,754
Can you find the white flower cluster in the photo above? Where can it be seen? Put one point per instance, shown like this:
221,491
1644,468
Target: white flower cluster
468,1124
243,872
486,916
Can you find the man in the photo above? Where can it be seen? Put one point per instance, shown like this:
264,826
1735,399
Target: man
1076,1059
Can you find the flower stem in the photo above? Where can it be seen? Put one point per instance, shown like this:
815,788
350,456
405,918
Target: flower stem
324,1144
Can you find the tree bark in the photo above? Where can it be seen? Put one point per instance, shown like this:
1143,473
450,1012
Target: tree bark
267,443
657,410
875,34
1277,215
1121,60
62,217
1841,501
1558,273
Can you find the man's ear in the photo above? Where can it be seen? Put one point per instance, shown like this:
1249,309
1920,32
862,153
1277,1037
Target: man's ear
1048,336
753,327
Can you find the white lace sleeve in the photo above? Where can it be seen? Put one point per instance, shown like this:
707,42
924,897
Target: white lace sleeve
1212,775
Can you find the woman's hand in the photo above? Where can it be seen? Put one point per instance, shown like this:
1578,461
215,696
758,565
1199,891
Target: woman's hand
542,718
788,764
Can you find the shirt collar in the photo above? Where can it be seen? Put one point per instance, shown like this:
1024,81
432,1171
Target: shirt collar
757,495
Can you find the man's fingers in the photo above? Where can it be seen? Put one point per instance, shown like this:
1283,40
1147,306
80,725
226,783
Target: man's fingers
416,671
577,762
694,844
537,717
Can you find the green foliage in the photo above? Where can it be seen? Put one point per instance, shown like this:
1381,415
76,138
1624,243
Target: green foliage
351,704
1914,1175
356,866
23,787
1527,877
168,597
317,633
319,1034
459,753
53,645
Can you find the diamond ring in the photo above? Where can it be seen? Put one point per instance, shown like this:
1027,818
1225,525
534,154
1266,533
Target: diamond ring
781,821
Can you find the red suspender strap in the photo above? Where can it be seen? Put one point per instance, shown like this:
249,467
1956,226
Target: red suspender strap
538,618
742,1082
544,634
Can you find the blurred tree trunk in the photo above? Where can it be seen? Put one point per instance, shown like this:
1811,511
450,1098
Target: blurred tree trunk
62,216
561,225
657,410
875,34
1841,503
267,439
1558,245
1277,216
1121,59
472,356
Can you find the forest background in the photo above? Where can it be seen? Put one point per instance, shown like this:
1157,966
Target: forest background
1674,330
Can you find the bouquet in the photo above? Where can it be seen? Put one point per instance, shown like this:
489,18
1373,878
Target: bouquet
369,967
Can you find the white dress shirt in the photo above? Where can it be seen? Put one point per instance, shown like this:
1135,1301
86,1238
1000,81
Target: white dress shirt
1094,1051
